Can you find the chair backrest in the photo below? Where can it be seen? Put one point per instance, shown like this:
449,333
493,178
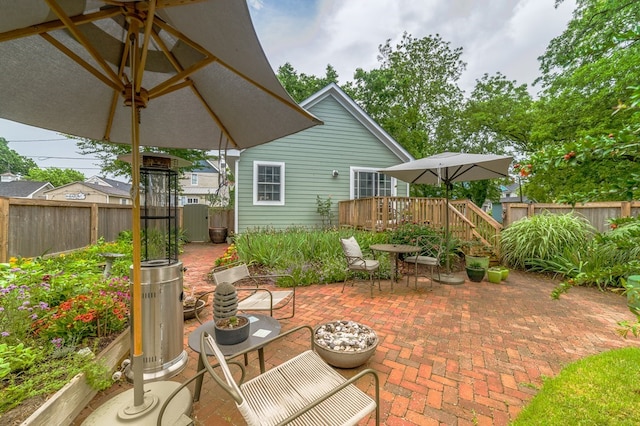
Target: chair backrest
351,250
232,275
432,245
229,385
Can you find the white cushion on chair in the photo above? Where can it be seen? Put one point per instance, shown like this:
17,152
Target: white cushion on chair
422,260
351,247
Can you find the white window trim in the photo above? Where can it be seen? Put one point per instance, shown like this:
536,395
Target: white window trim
194,175
353,169
257,202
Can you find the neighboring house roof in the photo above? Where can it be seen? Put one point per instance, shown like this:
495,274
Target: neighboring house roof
205,166
360,115
99,180
107,190
198,190
22,188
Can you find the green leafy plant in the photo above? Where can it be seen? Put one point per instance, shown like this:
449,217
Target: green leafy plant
542,237
325,210
15,358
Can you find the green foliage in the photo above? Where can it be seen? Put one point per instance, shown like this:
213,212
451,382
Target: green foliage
12,162
632,291
542,237
414,94
301,86
108,154
310,256
15,358
55,176
325,210
597,390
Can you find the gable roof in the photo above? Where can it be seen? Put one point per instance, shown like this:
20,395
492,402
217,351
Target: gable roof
359,114
22,188
100,180
205,166
105,189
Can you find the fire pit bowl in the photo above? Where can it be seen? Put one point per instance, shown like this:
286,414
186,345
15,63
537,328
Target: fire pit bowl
345,344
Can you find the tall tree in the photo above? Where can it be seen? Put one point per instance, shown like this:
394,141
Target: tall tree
55,176
602,163
587,70
301,86
497,116
12,162
108,154
414,94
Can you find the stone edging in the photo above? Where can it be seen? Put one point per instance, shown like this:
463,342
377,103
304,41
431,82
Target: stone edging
65,405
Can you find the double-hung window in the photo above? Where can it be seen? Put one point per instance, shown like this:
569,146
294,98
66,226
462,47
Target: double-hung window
369,183
268,183
194,179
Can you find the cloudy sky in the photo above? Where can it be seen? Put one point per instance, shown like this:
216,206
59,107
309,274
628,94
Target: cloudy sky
496,35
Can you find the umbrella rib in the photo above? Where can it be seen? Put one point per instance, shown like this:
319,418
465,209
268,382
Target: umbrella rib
188,82
46,27
145,45
81,38
116,85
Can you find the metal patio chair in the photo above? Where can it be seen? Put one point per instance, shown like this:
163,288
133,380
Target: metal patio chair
432,248
253,296
357,263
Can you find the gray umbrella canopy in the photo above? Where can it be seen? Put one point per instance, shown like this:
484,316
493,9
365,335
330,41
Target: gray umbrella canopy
200,74
449,167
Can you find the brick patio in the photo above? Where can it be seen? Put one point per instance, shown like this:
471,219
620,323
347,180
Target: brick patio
472,354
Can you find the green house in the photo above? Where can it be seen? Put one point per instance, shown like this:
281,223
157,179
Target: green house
278,183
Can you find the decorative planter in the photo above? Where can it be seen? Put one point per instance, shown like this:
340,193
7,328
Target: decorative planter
218,235
494,275
228,334
504,273
345,344
189,312
475,274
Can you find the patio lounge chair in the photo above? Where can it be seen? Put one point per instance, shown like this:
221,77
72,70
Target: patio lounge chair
252,296
304,390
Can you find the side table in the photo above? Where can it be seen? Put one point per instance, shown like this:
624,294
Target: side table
263,329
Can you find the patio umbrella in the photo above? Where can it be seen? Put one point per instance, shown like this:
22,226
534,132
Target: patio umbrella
447,168
162,73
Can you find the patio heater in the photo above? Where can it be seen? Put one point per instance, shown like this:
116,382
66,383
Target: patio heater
161,271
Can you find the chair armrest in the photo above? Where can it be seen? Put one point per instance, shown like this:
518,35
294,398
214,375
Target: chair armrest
337,389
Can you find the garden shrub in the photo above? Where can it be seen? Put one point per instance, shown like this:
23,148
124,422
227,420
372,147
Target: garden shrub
543,237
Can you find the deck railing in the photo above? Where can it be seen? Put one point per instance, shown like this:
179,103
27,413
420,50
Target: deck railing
467,221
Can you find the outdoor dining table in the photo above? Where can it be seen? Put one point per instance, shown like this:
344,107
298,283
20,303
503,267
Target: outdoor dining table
396,250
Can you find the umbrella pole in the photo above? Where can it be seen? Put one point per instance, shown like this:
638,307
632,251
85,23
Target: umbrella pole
448,277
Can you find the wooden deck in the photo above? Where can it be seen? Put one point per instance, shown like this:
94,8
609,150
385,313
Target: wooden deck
467,221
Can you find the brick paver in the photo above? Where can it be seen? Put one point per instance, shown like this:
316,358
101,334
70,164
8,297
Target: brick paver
472,354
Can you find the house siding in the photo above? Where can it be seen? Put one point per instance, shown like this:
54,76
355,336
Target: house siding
310,157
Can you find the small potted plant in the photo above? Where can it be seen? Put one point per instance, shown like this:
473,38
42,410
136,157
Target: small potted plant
494,274
504,273
475,271
230,328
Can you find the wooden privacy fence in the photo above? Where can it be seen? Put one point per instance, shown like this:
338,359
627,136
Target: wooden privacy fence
37,227
466,220
596,213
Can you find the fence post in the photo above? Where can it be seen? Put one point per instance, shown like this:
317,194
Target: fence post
625,209
93,237
4,230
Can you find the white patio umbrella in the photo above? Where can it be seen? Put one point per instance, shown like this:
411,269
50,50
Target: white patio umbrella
447,168
162,73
